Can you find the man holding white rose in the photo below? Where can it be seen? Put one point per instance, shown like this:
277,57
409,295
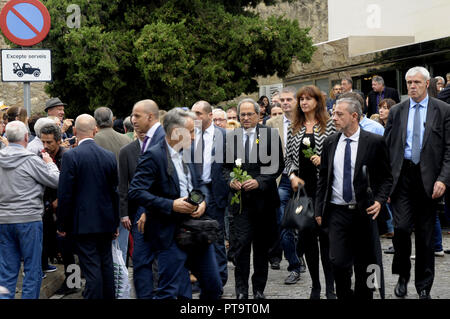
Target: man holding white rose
255,151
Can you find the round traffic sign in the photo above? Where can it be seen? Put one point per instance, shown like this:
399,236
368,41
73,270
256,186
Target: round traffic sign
25,22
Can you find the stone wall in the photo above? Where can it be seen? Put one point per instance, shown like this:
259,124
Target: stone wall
11,93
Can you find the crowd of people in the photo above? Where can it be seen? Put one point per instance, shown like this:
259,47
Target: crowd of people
71,188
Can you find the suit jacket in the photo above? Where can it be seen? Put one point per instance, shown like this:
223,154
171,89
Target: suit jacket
219,186
389,93
128,158
111,140
87,192
435,153
265,199
155,186
372,152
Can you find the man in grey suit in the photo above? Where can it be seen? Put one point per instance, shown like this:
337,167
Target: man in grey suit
418,137
112,141
106,137
145,119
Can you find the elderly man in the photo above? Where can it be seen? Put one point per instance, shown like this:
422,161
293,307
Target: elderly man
23,178
418,137
161,184
219,118
54,107
380,92
440,83
88,207
36,146
253,220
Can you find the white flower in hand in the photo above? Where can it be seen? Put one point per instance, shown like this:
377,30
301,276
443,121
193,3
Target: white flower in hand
238,162
306,142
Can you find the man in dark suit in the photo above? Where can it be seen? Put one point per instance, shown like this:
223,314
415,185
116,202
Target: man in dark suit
145,119
161,184
379,93
88,207
256,222
343,205
209,142
418,137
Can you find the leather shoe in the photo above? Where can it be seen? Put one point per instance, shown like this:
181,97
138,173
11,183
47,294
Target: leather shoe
401,287
315,294
275,265
423,294
242,296
259,295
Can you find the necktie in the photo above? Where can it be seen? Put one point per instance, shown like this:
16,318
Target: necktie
144,144
347,182
247,147
415,150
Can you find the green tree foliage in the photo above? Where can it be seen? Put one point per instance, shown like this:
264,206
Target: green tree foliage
174,52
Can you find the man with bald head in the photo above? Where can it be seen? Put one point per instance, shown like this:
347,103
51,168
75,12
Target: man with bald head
145,120
88,207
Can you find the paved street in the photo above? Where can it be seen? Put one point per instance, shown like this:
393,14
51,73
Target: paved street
276,289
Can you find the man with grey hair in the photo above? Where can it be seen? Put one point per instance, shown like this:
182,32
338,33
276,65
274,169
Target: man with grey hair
106,137
23,178
161,184
219,118
343,204
253,220
36,146
418,137
128,127
380,92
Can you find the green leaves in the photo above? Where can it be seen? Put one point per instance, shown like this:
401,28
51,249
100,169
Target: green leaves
175,52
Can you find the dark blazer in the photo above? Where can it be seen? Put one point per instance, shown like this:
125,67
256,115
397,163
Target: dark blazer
128,160
155,186
435,153
88,202
219,185
372,152
389,93
265,199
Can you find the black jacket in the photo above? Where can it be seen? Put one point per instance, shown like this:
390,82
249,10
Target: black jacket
389,93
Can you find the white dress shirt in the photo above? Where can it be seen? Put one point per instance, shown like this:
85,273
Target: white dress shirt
150,134
185,181
251,133
208,139
338,168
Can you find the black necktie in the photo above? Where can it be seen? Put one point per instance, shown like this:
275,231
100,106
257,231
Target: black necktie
247,148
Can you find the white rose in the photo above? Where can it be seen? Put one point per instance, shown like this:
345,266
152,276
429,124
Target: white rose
306,142
238,162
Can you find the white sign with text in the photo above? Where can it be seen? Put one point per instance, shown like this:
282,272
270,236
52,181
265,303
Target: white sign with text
26,65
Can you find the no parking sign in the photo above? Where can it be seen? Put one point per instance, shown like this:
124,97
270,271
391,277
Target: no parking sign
25,22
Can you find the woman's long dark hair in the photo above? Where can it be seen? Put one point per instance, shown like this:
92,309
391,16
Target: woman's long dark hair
321,113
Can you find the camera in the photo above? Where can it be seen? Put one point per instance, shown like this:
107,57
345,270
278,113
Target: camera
195,197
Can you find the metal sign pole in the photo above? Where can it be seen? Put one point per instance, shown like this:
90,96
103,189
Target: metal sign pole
27,97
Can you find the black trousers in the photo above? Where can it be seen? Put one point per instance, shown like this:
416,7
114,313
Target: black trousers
412,208
352,242
96,263
247,231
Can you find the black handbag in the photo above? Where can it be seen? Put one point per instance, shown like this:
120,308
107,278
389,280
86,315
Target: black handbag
299,211
195,233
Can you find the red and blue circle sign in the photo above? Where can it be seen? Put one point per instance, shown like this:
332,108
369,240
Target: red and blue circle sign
25,22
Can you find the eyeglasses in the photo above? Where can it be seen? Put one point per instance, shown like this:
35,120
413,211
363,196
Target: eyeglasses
242,115
219,120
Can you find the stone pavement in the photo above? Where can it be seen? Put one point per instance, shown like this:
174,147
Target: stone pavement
276,289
